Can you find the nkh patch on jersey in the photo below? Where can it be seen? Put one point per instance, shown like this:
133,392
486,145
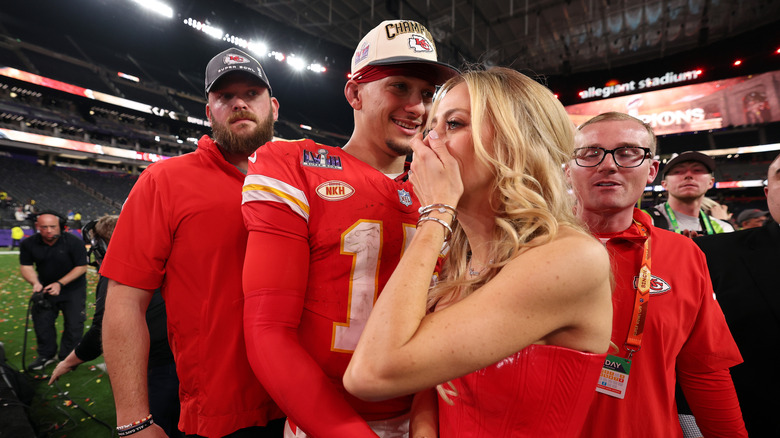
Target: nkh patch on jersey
334,190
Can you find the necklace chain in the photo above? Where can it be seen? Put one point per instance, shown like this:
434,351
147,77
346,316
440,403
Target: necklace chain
473,272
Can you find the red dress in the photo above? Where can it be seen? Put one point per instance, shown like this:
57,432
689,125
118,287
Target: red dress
540,391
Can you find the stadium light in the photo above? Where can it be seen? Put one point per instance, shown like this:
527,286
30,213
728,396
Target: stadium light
205,28
258,48
297,64
129,77
157,7
213,32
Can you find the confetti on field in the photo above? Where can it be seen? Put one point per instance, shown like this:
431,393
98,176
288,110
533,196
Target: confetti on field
18,335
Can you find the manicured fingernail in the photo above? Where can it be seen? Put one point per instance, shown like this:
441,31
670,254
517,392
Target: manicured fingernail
432,134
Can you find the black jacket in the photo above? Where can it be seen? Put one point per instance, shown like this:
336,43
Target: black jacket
744,268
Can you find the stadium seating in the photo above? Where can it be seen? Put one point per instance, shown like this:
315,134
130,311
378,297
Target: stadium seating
58,190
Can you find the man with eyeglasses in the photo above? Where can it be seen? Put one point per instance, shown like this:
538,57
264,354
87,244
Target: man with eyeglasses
666,324
686,178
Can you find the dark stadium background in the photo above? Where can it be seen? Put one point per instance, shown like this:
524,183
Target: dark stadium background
86,42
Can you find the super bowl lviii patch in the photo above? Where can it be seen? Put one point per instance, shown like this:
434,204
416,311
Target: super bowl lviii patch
322,159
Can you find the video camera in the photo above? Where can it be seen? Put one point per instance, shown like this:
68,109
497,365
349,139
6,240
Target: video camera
97,246
40,300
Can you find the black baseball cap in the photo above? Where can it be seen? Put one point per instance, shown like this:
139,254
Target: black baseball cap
750,214
706,160
234,60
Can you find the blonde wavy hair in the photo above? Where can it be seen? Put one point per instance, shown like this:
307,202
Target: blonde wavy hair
530,137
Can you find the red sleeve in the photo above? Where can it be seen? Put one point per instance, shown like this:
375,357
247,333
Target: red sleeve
714,403
142,240
275,275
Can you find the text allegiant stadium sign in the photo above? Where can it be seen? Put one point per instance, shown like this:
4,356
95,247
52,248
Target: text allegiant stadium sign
644,84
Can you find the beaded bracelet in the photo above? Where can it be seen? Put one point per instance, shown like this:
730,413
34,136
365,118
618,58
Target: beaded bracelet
135,423
138,426
441,208
446,226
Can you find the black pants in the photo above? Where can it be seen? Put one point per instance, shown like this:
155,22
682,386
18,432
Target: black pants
73,310
163,385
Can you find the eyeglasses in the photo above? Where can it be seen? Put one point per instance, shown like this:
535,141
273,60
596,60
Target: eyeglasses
625,156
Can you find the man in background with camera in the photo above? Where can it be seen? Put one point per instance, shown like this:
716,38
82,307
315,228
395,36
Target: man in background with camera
55,264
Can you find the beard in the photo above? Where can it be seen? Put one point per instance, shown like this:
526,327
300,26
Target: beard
399,148
244,144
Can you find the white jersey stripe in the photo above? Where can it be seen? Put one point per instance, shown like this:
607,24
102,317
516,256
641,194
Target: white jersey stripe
263,188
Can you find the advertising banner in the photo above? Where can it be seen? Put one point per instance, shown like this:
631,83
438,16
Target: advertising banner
744,100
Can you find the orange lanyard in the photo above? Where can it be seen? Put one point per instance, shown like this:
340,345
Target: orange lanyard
642,297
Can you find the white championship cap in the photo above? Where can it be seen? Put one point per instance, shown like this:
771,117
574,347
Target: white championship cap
400,42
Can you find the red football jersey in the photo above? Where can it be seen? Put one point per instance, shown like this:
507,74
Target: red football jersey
358,222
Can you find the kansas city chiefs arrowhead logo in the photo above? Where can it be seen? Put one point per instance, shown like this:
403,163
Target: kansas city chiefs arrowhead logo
658,286
420,44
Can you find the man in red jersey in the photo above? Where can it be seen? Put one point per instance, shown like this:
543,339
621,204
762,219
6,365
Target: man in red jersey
666,323
159,241
327,227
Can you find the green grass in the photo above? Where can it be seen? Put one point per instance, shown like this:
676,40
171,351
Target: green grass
57,411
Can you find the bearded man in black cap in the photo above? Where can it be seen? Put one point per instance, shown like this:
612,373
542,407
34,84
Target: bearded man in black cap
687,177
160,242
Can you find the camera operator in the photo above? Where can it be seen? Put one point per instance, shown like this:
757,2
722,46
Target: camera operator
55,264
162,380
